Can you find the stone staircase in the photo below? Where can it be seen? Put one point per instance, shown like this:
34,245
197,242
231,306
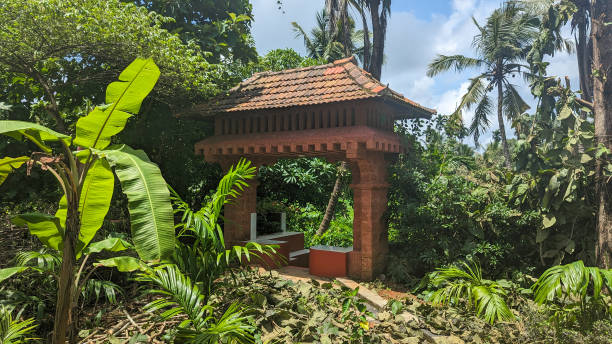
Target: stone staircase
291,247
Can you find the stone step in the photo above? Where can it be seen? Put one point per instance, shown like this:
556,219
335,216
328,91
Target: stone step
299,258
295,240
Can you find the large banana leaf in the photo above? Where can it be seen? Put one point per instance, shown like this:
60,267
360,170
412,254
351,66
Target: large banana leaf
46,227
38,134
151,214
110,245
7,165
94,202
124,98
122,263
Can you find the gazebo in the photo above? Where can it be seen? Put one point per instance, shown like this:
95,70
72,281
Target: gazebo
337,111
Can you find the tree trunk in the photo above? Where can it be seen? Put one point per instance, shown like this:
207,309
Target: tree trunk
601,35
63,310
346,29
585,56
500,119
584,48
379,30
333,200
367,49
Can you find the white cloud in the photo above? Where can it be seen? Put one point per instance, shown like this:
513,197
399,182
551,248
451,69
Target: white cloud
448,101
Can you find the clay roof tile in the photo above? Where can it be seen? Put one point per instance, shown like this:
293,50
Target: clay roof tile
341,80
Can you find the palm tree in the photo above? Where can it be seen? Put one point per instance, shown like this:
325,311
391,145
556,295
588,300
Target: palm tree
325,44
501,45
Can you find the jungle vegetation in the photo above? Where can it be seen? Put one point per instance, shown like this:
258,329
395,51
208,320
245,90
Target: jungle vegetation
502,242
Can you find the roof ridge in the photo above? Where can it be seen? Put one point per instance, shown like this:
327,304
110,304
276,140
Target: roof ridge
242,83
351,59
362,72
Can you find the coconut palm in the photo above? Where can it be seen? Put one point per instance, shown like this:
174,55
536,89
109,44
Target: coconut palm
501,45
326,44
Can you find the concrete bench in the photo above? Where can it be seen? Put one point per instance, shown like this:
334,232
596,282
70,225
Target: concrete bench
329,261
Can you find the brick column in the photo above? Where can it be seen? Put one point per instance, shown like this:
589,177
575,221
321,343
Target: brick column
370,236
237,214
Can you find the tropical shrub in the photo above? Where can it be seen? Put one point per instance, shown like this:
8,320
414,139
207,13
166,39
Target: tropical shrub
575,294
87,181
448,201
302,181
187,283
465,285
182,296
200,249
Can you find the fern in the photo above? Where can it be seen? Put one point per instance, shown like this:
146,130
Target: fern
465,283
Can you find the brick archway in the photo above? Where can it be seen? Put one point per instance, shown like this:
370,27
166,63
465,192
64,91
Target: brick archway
336,111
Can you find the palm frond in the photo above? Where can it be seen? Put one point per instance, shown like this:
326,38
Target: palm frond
12,330
513,103
233,327
180,296
95,288
204,221
475,93
571,280
443,63
299,32
457,284
481,122
490,303
45,260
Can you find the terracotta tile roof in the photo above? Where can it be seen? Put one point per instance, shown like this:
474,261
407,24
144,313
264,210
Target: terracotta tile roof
339,81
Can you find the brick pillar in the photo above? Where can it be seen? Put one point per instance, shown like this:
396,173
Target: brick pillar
237,214
370,236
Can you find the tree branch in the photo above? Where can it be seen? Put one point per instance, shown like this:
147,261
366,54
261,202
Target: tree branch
53,109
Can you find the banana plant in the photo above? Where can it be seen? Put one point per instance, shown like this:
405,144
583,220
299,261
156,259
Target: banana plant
83,167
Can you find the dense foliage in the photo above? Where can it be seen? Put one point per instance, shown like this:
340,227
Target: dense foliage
470,229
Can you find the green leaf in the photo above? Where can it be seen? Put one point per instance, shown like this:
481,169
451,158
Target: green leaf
549,220
565,112
36,133
584,158
122,263
96,195
396,307
151,214
95,200
8,272
124,98
7,165
46,227
110,245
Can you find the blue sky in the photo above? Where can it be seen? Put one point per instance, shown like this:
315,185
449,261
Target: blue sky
417,32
